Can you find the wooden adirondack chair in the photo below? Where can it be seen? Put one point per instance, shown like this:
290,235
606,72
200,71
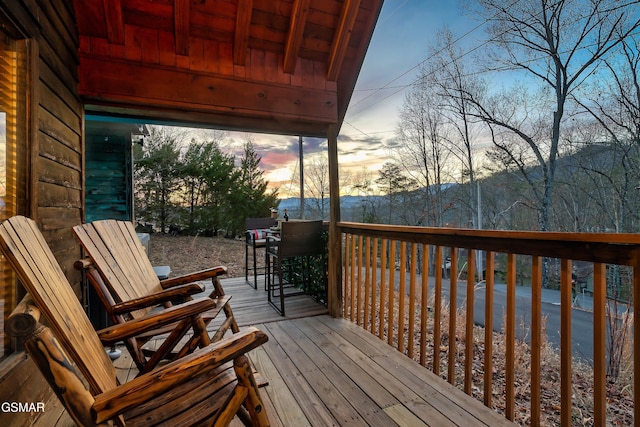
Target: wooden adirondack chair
123,277
210,386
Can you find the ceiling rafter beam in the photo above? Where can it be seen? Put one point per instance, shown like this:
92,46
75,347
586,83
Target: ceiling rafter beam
241,36
114,21
342,37
181,25
297,24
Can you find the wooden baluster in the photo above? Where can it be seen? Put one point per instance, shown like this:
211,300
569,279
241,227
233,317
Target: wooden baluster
468,345
412,298
453,315
565,341
374,284
636,333
437,312
383,291
391,297
346,293
359,283
402,291
536,337
367,281
488,329
511,336
353,277
600,344
424,305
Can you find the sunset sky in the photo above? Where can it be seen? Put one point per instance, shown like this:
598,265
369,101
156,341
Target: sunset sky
399,46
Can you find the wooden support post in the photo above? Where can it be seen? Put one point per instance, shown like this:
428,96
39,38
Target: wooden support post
335,237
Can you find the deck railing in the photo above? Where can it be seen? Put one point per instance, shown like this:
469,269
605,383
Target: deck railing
386,272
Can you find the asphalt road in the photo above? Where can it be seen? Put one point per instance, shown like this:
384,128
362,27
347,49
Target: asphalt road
581,322
581,325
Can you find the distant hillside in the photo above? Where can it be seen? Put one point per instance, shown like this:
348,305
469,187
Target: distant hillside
346,202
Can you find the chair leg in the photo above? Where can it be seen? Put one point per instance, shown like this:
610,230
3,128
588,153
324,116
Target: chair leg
253,402
268,279
266,267
255,268
281,285
275,268
246,263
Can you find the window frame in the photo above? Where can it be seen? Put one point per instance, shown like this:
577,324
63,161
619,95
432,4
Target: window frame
25,117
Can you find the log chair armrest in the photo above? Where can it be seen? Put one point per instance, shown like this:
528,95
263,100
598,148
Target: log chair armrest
194,277
154,320
168,295
143,388
82,264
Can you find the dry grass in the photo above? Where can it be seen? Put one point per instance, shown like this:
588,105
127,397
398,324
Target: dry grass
186,254
619,393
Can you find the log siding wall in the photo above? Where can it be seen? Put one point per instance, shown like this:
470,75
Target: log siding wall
54,188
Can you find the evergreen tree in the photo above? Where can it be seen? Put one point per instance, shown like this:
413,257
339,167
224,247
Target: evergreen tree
251,198
157,178
221,181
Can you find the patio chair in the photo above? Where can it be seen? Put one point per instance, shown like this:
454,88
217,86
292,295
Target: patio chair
212,385
298,241
123,277
256,239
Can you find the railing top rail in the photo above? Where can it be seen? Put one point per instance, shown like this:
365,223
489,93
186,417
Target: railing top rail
614,248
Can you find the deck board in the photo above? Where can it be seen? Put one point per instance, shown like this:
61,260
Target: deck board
324,371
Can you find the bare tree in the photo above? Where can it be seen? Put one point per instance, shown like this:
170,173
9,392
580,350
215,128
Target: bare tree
557,44
397,189
316,186
449,75
363,187
421,136
613,102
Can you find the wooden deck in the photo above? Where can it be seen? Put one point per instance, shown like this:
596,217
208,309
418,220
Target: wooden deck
324,371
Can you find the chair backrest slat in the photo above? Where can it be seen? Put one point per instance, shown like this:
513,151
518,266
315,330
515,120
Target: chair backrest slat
30,256
117,253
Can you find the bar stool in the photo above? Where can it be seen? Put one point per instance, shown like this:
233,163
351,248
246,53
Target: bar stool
255,238
297,243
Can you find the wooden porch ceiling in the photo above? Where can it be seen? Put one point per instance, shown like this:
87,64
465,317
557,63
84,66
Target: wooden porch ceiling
279,66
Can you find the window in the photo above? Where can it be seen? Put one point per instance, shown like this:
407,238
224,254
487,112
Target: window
13,155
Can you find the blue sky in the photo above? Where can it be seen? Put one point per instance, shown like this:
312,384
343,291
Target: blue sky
404,30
